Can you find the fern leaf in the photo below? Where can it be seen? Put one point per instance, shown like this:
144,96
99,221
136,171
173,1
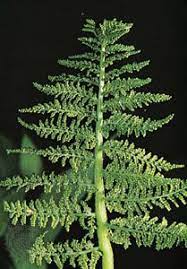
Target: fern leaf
119,57
32,182
79,78
89,26
49,129
126,124
136,193
126,155
116,48
120,177
133,100
86,56
67,90
54,90
75,155
54,108
80,65
113,30
123,86
128,68
147,231
57,183
90,42
76,252
40,212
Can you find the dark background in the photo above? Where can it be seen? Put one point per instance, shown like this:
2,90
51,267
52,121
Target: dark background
34,34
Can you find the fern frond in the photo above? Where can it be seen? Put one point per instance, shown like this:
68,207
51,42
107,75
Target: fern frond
89,26
75,183
116,48
127,124
73,154
59,132
87,112
131,192
79,78
67,90
54,90
148,231
78,253
110,60
40,212
126,155
54,108
91,42
80,65
123,86
113,30
128,68
133,100
57,183
91,56
33,181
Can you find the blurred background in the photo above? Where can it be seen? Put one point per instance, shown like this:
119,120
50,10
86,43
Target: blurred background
34,34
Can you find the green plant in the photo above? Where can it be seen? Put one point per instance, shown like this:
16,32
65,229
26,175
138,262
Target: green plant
90,113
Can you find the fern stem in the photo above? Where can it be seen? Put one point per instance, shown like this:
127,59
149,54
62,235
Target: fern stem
100,207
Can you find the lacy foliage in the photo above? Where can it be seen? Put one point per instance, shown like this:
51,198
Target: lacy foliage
134,183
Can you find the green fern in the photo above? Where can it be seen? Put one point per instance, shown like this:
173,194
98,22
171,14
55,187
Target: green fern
89,114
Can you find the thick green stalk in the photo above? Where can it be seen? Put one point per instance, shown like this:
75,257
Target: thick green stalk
100,207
